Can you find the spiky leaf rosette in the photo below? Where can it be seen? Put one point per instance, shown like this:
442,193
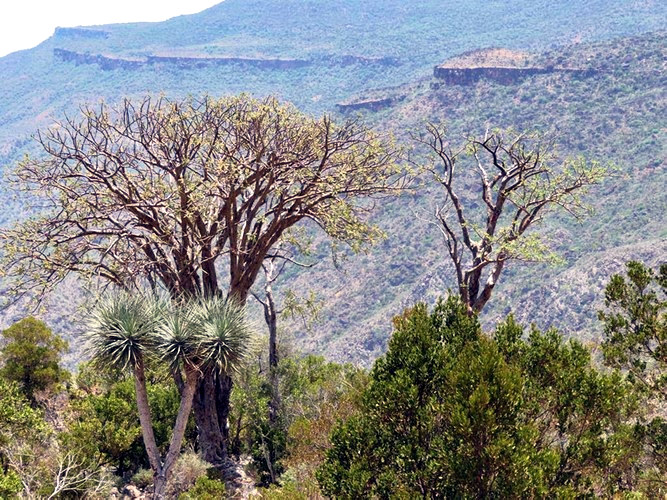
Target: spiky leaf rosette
121,329
176,334
225,338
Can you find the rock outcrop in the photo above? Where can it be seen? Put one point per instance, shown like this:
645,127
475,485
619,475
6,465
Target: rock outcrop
104,62
80,33
367,104
497,64
109,62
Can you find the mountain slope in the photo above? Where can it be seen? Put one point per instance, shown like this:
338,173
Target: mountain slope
317,54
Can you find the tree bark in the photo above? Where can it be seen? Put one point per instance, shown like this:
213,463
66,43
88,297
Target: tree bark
212,439
271,317
192,375
145,417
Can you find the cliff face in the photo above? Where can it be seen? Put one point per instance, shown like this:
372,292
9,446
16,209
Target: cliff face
368,104
502,75
80,33
104,62
109,63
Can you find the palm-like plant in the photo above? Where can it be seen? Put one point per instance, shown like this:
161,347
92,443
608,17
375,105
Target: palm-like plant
224,336
193,337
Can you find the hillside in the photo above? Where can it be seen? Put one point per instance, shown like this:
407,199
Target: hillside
604,95
613,111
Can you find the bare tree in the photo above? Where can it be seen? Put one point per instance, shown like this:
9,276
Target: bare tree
273,266
170,192
43,462
516,179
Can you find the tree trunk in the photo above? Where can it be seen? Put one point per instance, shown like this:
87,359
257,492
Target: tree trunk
271,317
145,417
206,418
159,486
181,423
211,405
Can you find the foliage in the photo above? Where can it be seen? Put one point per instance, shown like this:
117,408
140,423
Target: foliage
32,464
192,338
520,179
189,157
10,484
635,329
451,412
18,422
31,355
635,324
315,393
102,419
585,416
205,488
188,469
143,478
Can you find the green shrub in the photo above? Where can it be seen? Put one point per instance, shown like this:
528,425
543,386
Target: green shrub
205,489
143,478
10,484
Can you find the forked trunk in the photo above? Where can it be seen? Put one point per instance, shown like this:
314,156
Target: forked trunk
159,486
162,469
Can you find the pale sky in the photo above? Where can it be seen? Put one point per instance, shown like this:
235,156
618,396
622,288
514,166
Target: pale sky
26,23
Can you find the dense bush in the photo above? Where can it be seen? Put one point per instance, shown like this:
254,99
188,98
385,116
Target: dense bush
30,356
451,412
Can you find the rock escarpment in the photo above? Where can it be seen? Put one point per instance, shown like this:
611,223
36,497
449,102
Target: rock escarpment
499,65
110,62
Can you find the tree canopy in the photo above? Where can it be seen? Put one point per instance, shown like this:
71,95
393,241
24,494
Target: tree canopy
451,412
30,354
517,180
159,190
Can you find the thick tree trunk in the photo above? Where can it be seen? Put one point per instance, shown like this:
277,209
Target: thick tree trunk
211,405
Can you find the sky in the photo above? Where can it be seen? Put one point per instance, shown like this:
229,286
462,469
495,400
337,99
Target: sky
26,23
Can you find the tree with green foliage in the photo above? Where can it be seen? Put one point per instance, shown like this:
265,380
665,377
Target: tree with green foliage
450,412
32,463
584,416
195,339
30,355
314,393
171,192
517,180
635,340
635,324
18,421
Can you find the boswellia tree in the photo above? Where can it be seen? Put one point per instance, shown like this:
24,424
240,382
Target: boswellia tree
170,193
513,181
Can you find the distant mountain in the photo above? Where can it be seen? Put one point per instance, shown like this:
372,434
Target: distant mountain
378,57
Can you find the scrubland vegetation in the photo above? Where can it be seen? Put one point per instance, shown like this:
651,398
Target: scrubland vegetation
448,411
480,263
